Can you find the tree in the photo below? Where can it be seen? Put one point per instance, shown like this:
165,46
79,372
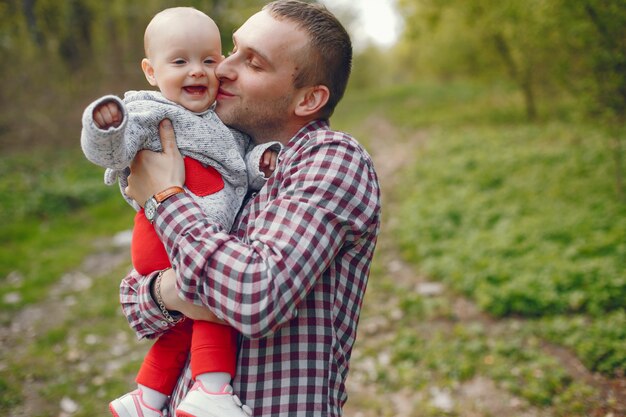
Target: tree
521,35
59,55
597,37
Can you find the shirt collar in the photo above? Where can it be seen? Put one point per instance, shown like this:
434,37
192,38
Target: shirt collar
303,133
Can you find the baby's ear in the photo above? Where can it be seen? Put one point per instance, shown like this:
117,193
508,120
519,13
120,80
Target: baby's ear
148,71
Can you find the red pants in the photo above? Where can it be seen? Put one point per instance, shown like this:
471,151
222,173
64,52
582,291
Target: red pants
213,347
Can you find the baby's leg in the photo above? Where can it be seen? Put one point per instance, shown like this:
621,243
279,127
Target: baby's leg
213,354
164,362
213,362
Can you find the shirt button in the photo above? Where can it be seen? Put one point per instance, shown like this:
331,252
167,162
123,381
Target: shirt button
240,191
233,153
163,323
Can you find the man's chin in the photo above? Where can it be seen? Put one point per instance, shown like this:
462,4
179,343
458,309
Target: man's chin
222,111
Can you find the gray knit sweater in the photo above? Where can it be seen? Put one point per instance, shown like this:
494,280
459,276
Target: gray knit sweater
200,136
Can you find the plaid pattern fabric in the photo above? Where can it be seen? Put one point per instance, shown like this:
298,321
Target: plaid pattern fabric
291,278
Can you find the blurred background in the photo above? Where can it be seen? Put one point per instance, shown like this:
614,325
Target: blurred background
497,129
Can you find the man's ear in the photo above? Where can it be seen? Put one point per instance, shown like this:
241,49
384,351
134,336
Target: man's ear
148,71
311,100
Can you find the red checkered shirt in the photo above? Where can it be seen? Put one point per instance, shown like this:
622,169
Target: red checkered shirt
290,278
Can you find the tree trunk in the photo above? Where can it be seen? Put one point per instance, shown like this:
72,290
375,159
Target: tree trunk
523,81
618,156
529,95
28,8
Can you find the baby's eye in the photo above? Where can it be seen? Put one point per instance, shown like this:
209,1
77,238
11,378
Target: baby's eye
209,61
179,61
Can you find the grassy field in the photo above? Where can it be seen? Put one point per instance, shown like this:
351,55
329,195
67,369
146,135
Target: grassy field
519,218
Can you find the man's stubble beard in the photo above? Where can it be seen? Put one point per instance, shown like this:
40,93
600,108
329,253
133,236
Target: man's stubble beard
262,124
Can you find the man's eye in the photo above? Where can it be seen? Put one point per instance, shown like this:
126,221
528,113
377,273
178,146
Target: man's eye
253,65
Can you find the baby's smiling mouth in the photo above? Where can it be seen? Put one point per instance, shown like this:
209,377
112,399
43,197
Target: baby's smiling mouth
195,89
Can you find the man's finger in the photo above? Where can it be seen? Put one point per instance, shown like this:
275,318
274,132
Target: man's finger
168,139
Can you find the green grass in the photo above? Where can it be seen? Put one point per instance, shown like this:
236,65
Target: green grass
57,205
524,220
522,217
89,356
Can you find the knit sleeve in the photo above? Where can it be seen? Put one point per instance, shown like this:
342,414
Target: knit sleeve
106,148
256,179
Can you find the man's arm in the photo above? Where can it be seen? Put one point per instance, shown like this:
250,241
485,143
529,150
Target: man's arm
142,311
328,202
172,301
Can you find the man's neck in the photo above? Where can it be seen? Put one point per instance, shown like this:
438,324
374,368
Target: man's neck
284,135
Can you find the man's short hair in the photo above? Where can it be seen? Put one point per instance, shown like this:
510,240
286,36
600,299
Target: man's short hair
328,60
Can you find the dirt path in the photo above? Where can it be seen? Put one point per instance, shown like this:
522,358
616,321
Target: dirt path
480,397
33,321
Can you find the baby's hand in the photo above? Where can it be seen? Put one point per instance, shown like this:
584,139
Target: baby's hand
268,162
107,115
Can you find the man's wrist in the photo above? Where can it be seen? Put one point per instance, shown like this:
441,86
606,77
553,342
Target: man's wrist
171,316
151,205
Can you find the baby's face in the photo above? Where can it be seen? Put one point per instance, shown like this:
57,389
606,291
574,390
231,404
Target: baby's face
184,57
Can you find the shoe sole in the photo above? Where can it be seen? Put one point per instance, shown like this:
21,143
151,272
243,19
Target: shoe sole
183,414
187,413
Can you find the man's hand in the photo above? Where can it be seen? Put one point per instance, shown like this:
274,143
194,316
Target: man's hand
152,172
268,162
173,302
107,115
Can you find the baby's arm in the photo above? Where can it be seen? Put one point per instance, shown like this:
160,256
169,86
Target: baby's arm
103,136
261,162
267,164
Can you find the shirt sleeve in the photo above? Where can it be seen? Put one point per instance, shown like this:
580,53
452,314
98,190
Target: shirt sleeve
143,314
327,197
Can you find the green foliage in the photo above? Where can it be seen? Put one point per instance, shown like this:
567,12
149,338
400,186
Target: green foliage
499,214
521,217
9,394
600,341
513,358
68,359
65,54
543,46
57,203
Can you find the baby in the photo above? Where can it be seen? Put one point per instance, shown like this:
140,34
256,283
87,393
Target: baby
182,47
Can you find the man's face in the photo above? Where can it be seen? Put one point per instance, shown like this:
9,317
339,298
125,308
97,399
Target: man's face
257,95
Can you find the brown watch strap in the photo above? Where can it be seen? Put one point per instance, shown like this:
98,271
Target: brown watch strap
167,193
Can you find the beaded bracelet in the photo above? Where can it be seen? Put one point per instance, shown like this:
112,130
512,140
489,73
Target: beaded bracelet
159,299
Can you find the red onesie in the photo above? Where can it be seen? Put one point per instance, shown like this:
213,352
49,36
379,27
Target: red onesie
213,346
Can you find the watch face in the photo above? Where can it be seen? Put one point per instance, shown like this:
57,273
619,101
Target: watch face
150,209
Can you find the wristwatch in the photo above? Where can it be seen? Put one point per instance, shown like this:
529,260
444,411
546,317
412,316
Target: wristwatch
153,202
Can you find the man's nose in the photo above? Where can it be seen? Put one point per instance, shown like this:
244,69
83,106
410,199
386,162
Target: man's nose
225,69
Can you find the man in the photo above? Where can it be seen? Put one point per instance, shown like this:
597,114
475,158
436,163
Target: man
292,275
